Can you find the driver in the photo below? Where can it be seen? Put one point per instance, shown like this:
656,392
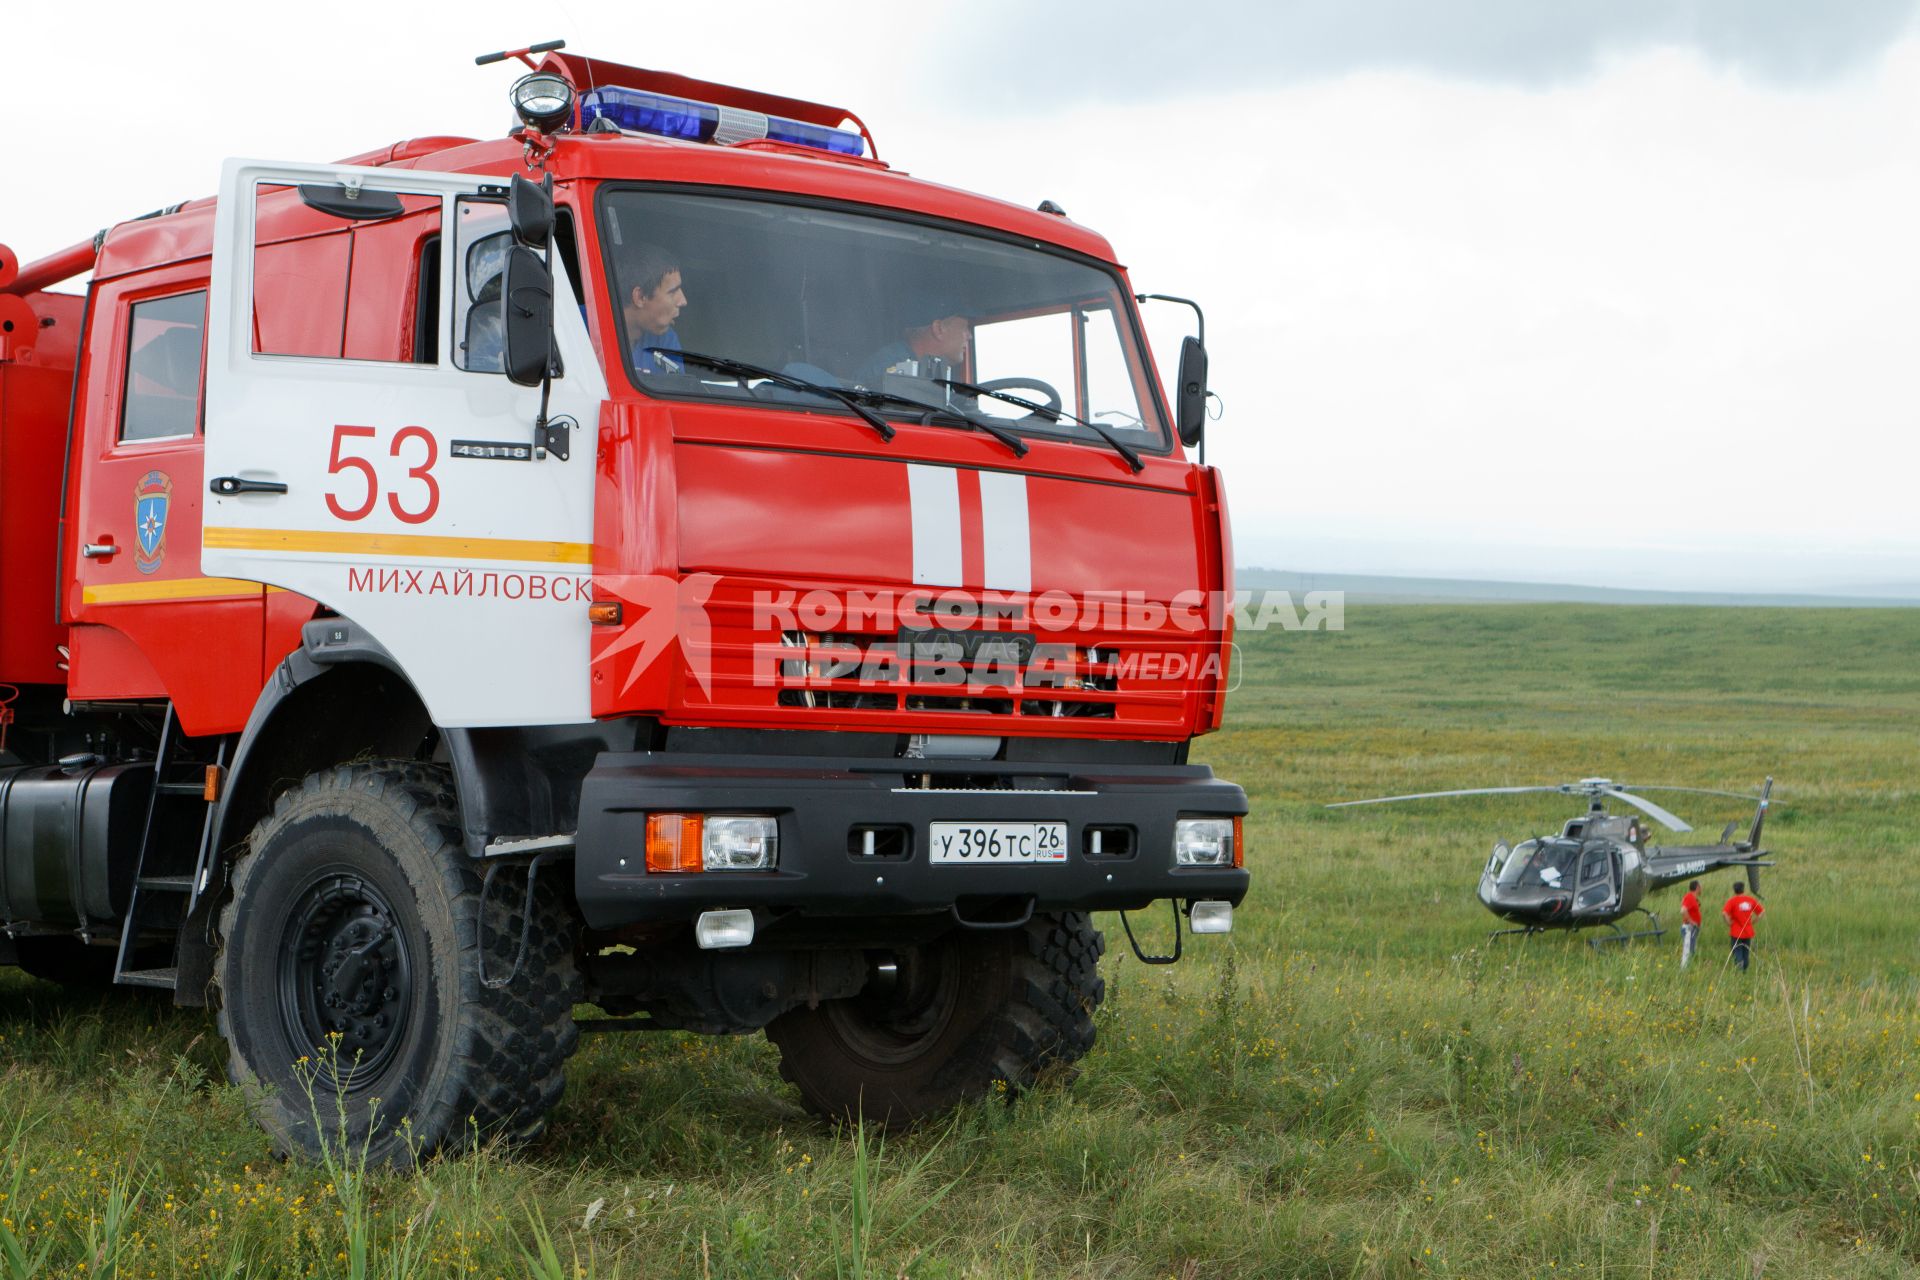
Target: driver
943,338
655,299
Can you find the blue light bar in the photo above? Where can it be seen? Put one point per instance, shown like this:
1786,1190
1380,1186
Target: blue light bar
665,116
818,136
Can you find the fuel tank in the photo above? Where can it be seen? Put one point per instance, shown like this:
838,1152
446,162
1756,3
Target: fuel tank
70,842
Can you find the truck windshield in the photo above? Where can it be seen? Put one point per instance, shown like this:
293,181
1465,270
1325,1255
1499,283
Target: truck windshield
849,300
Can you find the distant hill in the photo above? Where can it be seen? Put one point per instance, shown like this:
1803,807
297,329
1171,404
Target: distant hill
1363,588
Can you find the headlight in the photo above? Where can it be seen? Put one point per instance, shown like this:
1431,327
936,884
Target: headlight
1204,842
740,844
683,842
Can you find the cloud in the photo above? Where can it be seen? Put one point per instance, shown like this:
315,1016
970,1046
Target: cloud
1467,329
1026,55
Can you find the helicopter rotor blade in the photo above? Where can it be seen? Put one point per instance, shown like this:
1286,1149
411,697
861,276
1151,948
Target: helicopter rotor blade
1698,791
1438,795
1649,808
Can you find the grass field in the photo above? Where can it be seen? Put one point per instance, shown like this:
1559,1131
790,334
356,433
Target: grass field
1353,1084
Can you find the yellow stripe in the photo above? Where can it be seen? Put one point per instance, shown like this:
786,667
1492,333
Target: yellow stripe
425,546
168,589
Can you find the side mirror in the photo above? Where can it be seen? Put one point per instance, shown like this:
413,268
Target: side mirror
530,211
1190,399
529,319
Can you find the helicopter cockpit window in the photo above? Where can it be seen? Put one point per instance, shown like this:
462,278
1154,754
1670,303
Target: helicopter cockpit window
1533,866
1595,868
1516,862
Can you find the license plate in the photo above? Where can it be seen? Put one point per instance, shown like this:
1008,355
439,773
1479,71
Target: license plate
957,843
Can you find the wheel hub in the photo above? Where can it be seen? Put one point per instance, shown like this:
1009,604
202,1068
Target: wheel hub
906,1006
345,977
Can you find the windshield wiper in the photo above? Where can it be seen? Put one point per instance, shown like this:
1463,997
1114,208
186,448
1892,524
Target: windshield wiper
930,412
855,398
743,371
1051,415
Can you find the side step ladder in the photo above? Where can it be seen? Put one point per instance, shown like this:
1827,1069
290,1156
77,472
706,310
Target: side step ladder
173,870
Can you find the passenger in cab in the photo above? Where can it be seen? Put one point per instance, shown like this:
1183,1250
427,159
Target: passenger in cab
656,296
943,338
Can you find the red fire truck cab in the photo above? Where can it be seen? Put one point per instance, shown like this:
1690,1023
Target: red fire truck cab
662,559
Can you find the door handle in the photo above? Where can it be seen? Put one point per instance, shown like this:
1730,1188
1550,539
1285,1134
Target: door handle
226,486
102,550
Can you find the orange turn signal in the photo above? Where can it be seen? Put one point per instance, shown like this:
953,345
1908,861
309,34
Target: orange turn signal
1239,845
604,613
673,842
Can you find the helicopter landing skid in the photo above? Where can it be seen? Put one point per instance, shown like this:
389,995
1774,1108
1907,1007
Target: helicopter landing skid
1525,931
1620,937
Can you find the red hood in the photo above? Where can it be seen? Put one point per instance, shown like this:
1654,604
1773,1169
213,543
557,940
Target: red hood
800,555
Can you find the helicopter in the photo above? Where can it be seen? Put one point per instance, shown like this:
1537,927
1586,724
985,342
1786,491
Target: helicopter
1598,869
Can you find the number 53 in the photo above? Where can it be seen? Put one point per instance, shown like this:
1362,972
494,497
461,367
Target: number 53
339,461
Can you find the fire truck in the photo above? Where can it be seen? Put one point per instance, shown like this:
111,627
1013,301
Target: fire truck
661,559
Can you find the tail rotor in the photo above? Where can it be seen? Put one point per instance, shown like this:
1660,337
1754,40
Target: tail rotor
1753,837
1760,816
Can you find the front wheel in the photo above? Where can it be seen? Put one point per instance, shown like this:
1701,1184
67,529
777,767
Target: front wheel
947,1021
350,974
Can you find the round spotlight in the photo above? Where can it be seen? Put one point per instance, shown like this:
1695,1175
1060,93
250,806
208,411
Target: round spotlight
543,101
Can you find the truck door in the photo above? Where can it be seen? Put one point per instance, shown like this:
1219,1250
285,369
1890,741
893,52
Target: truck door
148,622
398,484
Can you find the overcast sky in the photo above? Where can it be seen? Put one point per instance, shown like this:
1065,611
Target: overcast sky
1607,291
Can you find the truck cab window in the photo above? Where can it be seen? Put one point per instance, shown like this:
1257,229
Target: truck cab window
1077,350
566,247
426,305
481,241
300,263
161,396
852,299
327,286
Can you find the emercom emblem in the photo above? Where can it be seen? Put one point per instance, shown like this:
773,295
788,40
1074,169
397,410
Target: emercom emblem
150,500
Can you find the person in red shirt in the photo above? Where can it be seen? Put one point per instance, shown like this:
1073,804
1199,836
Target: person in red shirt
1689,923
1741,910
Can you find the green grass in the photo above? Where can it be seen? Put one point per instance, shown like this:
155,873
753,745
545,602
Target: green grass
1353,1084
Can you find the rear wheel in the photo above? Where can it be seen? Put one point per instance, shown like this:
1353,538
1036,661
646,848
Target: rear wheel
946,1021
349,974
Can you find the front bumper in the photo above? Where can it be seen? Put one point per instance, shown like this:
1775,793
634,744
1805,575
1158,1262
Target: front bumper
819,802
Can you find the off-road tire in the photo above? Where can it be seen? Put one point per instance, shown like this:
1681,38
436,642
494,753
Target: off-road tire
462,1060
1000,1007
